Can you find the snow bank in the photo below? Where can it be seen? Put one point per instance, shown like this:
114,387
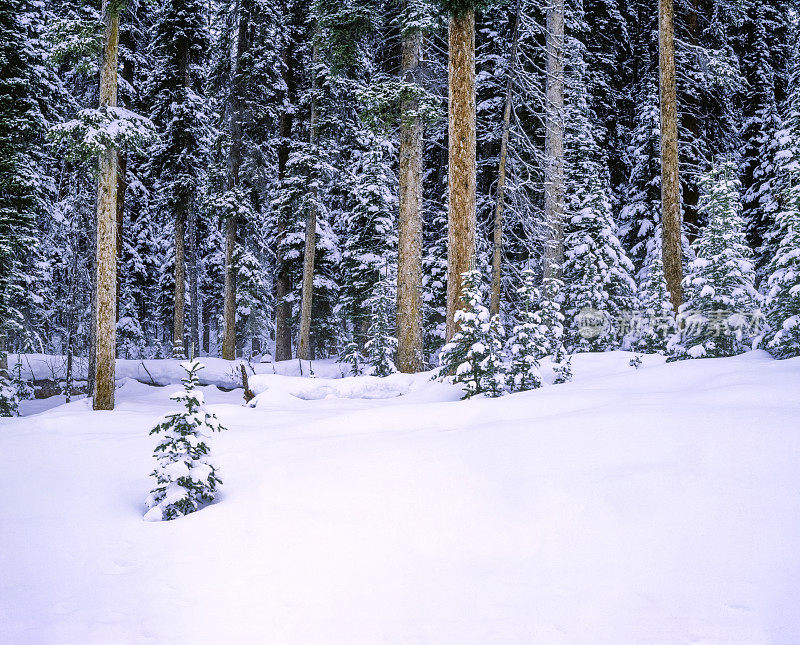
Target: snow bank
217,371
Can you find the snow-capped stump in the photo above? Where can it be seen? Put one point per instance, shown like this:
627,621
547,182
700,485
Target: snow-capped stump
185,475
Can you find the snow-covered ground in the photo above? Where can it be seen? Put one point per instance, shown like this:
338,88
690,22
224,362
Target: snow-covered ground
651,505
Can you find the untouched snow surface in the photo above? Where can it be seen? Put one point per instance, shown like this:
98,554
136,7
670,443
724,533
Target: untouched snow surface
651,505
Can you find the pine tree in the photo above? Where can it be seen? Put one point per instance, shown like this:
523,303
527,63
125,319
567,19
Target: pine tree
351,356
597,272
9,397
185,475
179,112
549,336
655,321
22,125
720,316
783,296
474,356
382,344
523,347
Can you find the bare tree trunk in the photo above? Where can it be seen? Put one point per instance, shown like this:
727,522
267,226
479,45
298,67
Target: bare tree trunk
497,251
194,287
236,109
554,142
122,186
670,182
409,261
461,153
106,254
304,343
178,349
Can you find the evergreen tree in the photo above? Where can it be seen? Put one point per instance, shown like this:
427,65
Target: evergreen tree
382,344
474,356
351,356
185,475
22,126
9,398
783,296
523,347
720,316
655,321
179,112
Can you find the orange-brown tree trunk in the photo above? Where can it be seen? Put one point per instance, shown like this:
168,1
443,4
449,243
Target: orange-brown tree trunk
670,182
106,252
461,163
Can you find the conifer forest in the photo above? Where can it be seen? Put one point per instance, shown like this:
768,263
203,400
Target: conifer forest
371,219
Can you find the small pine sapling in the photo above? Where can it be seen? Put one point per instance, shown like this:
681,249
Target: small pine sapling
522,346
9,398
474,356
351,357
550,335
381,344
185,475
24,389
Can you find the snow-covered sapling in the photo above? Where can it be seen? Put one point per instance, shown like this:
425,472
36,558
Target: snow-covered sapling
720,316
23,386
9,399
381,345
474,356
185,475
523,347
351,357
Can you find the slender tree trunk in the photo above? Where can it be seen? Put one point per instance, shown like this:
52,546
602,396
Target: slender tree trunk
194,287
236,109
409,262
554,142
461,153
304,343
283,309
497,251
670,182
106,253
179,350
122,186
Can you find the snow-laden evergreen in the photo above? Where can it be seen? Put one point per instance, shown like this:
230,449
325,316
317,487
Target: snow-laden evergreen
783,282
474,356
9,397
185,475
720,315
350,355
598,275
381,345
524,344
654,323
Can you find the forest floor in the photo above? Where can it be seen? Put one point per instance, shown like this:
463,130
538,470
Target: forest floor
652,505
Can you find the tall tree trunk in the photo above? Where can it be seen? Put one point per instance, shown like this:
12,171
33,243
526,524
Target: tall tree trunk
554,142
122,186
106,253
409,261
461,153
304,343
670,182
497,251
691,194
236,109
194,287
283,309
178,348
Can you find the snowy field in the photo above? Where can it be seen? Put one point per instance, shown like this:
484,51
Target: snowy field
652,505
